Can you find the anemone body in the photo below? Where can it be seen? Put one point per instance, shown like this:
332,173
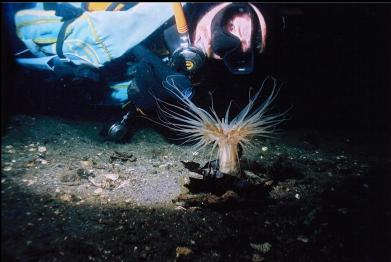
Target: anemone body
197,125
228,157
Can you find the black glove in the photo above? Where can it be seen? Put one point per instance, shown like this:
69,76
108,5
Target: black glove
150,74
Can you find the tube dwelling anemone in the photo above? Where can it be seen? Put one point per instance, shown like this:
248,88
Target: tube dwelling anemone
195,124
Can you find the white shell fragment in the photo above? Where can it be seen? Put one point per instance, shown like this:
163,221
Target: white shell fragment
98,191
42,149
112,176
302,239
263,248
7,168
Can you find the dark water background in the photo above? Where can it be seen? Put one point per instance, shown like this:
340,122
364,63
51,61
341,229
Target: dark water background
333,58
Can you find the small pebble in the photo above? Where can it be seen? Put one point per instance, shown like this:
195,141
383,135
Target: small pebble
42,149
183,251
7,168
98,191
263,248
302,239
257,258
66,197
112,176
86,164
30,182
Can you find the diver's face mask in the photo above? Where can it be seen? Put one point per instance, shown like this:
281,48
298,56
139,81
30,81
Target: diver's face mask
228,46
223,43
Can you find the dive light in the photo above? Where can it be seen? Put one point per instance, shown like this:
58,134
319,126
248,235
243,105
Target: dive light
119,129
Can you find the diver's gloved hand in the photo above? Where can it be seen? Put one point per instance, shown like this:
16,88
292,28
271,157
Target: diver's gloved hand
145,86
151,73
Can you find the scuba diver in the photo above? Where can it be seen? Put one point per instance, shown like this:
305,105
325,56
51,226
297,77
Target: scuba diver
133,47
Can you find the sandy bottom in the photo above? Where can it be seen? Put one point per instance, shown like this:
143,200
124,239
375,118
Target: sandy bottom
69,195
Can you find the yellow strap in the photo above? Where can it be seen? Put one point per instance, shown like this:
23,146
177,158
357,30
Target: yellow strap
102,6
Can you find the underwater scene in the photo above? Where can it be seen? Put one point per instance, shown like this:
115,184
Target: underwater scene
196,131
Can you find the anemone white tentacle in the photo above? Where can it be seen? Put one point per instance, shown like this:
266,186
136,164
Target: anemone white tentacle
195,124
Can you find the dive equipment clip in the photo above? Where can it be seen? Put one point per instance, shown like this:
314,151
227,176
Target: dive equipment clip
186,57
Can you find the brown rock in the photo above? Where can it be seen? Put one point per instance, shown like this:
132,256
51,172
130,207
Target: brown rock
213,199
183,252
230,195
